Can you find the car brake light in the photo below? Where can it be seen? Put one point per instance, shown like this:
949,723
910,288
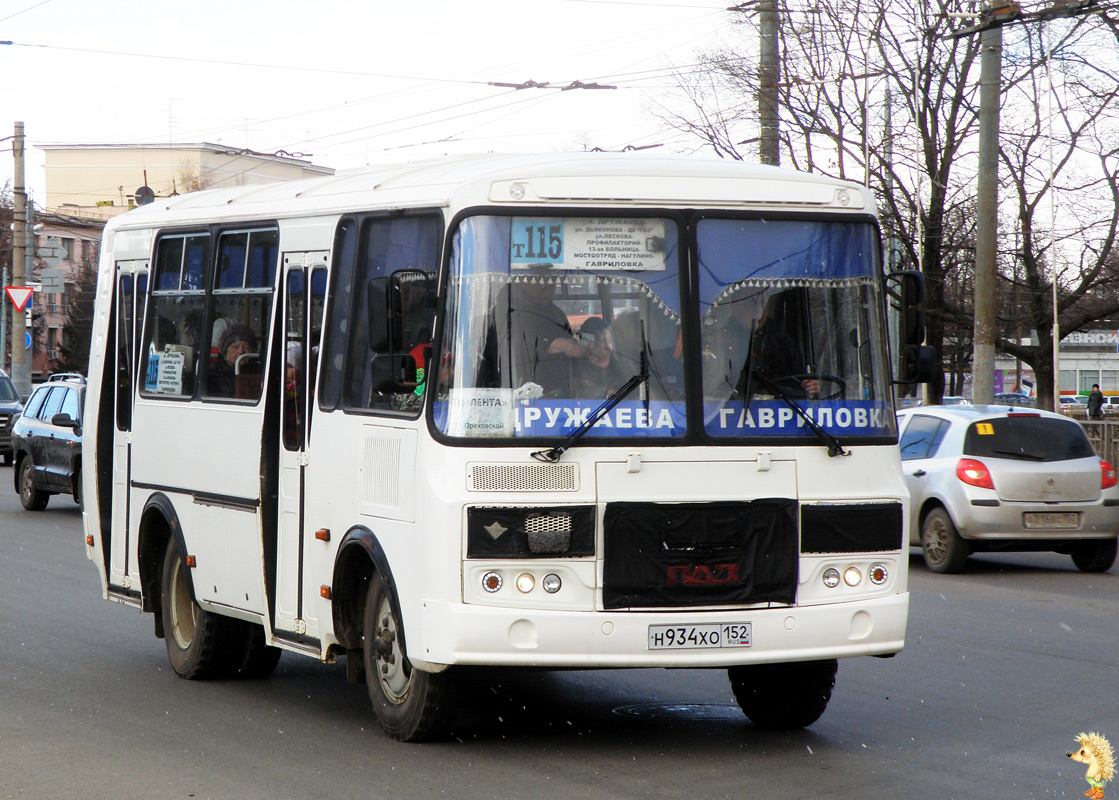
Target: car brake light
974,473
1108,477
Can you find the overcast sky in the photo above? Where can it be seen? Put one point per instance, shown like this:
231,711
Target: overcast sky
344,82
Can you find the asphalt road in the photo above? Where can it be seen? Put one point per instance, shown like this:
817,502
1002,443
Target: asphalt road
1003,666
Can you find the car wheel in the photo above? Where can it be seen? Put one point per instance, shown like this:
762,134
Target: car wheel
1095,556
784,696
945,551
33,499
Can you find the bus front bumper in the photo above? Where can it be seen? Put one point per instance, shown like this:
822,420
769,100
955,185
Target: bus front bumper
456,633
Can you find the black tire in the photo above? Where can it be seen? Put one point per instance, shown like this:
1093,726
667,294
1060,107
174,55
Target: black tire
200,645
260,659
78,490
32,498
1095,556
8,459
410,704
784,696
944,549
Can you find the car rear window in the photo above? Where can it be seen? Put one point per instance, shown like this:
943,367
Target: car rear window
1028,439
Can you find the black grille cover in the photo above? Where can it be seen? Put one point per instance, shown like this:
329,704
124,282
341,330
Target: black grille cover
850,527
697,554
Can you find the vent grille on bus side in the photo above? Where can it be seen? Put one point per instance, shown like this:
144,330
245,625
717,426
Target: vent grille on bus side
522,477
381,472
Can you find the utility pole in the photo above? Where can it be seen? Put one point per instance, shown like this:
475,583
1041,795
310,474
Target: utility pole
21,370
986,229
769,69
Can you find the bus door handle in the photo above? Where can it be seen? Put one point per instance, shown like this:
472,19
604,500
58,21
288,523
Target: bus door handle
920,473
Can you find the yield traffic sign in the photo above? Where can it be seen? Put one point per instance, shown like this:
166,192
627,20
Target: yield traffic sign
19,295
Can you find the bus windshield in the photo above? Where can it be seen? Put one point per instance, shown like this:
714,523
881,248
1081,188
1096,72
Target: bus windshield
789,310
547,317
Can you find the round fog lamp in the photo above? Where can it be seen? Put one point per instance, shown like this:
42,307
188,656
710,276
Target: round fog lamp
878,574
831,577
551,583
491,582
852,576
525,582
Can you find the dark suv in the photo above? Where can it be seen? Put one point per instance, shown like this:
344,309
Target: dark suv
10,408
47,442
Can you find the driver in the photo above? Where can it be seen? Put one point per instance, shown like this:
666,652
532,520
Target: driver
777,356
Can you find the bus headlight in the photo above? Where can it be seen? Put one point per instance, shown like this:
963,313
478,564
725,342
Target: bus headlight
525,582
852,576
831,577
551,583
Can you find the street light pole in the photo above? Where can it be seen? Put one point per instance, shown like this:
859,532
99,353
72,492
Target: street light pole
21,373
986,233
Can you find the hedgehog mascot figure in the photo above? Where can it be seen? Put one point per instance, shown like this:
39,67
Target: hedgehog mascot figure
1096,752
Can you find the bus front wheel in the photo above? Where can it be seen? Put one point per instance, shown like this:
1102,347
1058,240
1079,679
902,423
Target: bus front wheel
409,703
199,644
784,696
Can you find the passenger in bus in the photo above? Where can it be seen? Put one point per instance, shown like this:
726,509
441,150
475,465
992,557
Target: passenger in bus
237,342
543,347
599,374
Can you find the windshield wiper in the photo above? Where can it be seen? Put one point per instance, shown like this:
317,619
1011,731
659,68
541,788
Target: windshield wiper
552,454
833,444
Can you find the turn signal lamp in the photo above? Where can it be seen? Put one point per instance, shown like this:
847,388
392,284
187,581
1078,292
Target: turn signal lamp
878,574
491,582
974,473
1108,477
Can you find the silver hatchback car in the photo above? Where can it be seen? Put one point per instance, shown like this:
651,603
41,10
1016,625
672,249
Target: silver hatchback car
985,478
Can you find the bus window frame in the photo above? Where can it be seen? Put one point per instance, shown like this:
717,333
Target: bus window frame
337,272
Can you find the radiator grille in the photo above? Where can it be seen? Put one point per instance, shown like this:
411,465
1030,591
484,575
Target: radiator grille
522,478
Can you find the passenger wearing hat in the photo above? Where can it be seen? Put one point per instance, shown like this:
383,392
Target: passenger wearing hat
237,341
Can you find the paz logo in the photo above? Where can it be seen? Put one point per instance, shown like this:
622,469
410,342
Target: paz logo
1096,752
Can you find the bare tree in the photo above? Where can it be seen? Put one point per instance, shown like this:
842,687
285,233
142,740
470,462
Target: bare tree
882,91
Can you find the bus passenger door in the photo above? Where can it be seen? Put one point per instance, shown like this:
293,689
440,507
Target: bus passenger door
131,295
304,292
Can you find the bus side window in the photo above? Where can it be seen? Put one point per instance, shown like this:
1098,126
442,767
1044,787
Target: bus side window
173,333
240,310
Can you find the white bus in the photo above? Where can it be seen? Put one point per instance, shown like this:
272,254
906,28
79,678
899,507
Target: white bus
562,411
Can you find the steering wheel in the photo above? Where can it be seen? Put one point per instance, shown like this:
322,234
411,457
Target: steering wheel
820,378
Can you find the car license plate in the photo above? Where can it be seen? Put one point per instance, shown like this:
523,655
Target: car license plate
1051,519
690,637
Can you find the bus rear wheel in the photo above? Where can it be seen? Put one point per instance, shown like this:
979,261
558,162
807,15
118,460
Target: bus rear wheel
199,644
784,696
410,704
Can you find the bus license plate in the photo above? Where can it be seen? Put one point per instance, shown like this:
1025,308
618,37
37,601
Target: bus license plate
690,637
1047,519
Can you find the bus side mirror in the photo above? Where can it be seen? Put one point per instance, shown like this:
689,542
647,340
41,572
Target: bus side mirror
918,364
392,373
911,296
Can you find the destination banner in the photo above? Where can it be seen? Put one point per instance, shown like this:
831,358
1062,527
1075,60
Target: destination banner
496,414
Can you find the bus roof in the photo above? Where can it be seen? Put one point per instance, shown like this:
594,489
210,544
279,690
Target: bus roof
598,179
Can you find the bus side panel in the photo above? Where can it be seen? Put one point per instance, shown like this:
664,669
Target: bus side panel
216,491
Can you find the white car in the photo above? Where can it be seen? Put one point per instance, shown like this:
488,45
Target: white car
985,478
